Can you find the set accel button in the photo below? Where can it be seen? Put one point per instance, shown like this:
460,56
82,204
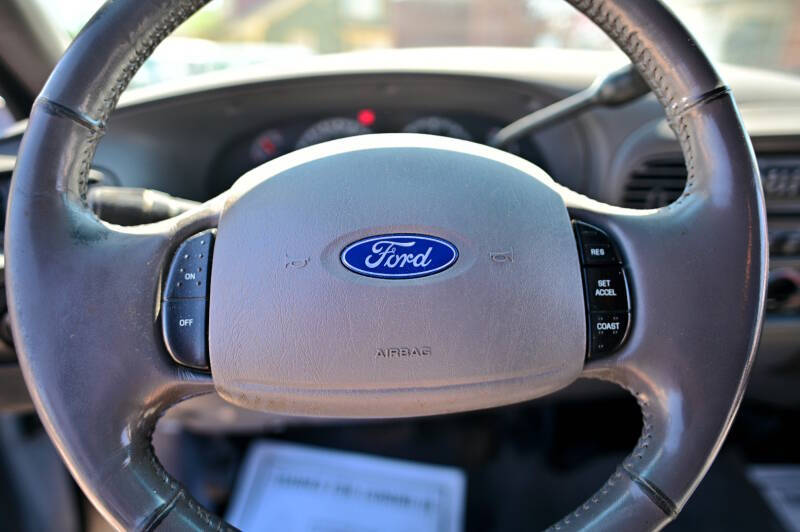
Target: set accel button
606,289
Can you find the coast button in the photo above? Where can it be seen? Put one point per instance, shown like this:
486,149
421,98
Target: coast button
608,331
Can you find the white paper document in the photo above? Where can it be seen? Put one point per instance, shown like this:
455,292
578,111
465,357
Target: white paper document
294,488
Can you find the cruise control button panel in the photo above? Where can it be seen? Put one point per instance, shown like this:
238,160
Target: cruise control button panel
184,308
606,288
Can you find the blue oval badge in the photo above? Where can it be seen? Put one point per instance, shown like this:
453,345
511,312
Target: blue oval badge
400,256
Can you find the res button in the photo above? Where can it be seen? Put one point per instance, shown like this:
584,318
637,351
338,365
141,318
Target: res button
595,246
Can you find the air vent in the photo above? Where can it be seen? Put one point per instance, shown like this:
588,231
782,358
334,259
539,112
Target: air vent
659,182
781,177
655,183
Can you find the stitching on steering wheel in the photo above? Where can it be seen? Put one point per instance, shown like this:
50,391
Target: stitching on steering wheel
145,49
180,494
629,41
638,453
568,522
142,51
685,138
631,44
161,513
86,165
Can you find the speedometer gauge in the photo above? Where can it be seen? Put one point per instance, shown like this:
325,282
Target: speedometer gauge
266,146
438,125
331,129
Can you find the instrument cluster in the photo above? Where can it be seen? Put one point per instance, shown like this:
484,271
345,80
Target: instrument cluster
274,140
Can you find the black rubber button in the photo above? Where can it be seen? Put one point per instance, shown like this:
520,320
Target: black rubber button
599,254
184,324
608,331
606,289
595,246
188,274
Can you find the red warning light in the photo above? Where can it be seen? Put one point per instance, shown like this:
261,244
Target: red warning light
268,146
366,117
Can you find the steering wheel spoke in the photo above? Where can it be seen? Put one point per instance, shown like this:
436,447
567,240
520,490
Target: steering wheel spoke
94,288
696,275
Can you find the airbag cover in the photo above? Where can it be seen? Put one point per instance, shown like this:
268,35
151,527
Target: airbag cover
292,330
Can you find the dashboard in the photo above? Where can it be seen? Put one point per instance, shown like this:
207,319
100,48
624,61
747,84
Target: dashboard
194,140
276,139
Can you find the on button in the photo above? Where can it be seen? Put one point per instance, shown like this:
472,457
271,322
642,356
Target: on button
188,274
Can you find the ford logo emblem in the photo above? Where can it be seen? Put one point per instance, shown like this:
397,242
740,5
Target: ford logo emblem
400,256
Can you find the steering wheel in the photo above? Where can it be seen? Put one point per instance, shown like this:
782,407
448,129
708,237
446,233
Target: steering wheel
322,301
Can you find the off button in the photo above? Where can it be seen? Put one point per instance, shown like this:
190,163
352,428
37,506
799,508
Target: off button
184,324
607,289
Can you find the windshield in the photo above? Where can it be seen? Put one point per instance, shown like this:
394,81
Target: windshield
231,33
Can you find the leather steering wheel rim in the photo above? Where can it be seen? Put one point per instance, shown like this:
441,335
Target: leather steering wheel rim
83,294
